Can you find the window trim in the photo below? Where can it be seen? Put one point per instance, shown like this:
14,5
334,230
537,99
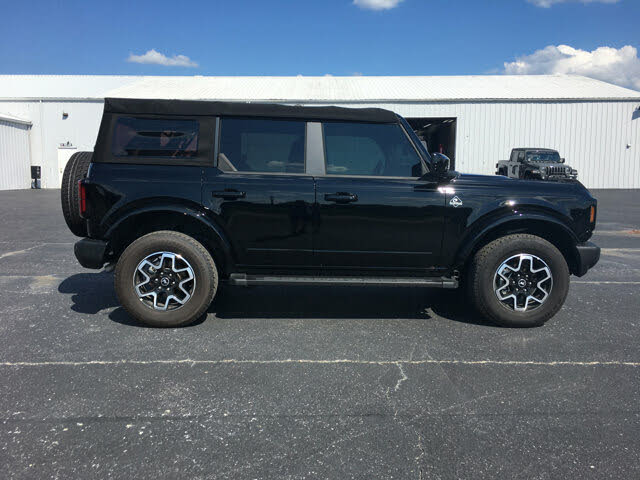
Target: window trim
203,157
426,162
338,175
218,141
316,163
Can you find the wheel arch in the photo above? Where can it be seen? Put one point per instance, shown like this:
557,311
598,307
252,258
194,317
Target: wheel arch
550,229
194,223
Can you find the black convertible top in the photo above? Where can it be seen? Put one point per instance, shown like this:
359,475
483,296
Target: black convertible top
202,107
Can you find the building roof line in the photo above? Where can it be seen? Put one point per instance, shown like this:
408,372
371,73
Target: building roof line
51,99
344,101
11,119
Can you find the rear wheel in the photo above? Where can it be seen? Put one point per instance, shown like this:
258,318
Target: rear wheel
519,280
166,279
75,170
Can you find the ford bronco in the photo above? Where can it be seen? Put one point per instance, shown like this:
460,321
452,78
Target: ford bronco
181,195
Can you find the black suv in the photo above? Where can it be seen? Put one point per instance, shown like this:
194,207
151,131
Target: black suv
180,195
535,164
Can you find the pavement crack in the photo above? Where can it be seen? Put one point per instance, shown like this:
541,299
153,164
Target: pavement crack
402,378
421,455
342,361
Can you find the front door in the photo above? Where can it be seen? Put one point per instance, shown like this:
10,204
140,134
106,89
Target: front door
375,214
261,193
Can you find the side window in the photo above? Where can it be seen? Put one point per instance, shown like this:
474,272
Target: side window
369,149
521,156
155,137
262,145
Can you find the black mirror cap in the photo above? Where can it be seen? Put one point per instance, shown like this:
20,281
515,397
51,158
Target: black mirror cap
562,160
440,163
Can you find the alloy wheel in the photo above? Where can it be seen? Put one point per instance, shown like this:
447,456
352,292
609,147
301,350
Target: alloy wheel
164,281
523,282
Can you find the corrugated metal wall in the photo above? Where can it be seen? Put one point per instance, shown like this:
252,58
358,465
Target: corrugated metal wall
600,139
50,129
592,136
15,171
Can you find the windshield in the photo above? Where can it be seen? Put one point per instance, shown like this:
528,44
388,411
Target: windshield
543,157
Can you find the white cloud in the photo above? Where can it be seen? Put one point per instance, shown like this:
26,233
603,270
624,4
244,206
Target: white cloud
377,4
618,66
550,3
153,57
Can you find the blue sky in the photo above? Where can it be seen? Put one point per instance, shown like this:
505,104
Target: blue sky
309,37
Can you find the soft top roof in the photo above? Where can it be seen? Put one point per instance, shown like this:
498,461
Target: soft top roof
201,107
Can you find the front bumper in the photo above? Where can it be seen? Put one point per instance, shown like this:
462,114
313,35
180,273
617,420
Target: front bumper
588,256
91,253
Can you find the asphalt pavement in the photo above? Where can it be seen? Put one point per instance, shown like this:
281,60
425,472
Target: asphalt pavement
312,382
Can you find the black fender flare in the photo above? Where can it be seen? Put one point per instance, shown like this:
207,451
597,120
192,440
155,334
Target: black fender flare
191,213
477,235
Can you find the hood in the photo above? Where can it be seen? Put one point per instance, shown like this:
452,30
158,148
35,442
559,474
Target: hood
515,185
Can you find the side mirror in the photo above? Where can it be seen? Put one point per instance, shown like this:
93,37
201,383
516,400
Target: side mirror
562,160
439,163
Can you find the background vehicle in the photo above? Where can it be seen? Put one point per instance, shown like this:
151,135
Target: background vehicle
181,194
535,164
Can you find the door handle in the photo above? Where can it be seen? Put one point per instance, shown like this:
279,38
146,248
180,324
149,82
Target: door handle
341,197
228,194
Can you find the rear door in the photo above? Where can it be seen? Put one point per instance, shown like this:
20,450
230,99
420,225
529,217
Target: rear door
374,211
261,193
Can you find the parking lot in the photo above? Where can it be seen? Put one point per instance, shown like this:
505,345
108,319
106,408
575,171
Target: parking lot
312,382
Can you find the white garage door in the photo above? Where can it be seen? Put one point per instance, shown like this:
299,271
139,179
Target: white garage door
15,161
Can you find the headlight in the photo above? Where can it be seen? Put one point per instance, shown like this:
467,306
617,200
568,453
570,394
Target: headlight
543,169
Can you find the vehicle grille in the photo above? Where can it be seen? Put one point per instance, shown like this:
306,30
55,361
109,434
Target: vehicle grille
556,171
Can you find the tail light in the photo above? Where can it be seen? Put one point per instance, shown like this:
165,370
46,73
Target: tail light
592,214
82,198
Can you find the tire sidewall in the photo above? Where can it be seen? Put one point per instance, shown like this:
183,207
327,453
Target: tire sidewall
502,314
75,170
141,248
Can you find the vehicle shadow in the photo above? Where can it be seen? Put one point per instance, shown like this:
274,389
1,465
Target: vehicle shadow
92,293
343,302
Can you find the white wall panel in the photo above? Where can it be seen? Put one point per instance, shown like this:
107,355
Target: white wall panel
80,128
15,172
592,136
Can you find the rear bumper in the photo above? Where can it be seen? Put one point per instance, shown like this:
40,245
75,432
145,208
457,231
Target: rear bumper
90,253
588,256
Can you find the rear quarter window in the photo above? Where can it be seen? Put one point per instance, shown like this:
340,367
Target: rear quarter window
155,138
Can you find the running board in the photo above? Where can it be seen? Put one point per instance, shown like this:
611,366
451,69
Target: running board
244,280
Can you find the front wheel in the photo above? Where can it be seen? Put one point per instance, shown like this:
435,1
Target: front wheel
166,279
519,280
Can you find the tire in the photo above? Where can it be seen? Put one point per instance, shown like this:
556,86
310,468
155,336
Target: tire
484,279
75,170
189,252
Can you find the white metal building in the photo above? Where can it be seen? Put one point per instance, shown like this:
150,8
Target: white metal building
476,120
